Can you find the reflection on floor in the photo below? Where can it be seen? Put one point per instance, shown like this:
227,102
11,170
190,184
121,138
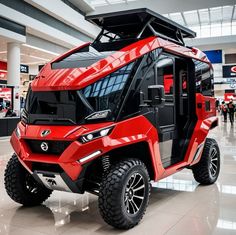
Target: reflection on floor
178,205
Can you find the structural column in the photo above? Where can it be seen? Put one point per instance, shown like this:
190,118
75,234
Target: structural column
13,72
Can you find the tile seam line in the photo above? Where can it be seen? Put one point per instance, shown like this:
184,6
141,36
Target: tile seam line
179,219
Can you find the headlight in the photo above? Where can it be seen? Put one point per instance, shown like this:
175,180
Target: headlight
17,131
95,135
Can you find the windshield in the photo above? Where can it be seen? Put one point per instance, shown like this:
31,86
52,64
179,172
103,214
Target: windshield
98,101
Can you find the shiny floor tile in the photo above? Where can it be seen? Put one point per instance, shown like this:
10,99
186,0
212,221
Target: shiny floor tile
178,204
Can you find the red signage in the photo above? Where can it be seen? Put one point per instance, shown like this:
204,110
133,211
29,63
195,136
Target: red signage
229,71
3,65
229,96
5,93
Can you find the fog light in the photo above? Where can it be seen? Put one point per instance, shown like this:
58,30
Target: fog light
92,155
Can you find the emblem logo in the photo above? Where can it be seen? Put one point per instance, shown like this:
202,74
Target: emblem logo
52,182
44,146
45,133
233,69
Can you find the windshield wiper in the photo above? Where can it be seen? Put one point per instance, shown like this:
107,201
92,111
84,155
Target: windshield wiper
85,101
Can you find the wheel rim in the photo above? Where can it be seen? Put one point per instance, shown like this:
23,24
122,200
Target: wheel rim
214,162
31,184
134,193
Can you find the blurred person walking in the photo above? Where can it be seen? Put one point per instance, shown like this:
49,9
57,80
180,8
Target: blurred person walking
224,110
231,108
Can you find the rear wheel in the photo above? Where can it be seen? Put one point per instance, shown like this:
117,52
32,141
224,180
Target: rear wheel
21,186
124,194
207,170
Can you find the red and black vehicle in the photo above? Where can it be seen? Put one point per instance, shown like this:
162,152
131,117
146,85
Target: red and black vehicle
108,117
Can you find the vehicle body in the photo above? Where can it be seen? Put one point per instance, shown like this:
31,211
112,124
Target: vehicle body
141,104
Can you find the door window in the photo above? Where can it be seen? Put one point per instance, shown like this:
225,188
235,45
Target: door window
165,75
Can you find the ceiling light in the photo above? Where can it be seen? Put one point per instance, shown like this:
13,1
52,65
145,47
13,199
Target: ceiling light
40,49
36,57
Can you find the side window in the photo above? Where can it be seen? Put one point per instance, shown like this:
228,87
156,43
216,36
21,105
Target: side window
204,79
198,76
183,82
165,73
138,91
149,80
165,76
207,80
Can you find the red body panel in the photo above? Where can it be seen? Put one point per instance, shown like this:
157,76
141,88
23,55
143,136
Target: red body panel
77,78
127,132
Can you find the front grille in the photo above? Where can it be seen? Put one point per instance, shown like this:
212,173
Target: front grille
54,147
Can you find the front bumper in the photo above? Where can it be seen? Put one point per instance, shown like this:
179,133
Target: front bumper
77,156
62,172
59,181
68,160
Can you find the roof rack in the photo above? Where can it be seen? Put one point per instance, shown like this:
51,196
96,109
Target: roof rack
139,23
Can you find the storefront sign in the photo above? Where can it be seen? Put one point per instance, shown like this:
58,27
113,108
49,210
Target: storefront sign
229,96
5,94
229,71
215,56
3,65
24,68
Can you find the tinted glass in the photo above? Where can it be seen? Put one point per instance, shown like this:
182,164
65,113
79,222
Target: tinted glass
165,72
198,76
204,78
207,80
138,90
55,105
75,106
105,94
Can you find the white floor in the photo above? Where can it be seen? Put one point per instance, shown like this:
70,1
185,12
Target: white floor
178,204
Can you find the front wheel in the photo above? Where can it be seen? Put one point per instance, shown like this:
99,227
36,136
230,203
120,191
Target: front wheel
124,194
207,170
21,186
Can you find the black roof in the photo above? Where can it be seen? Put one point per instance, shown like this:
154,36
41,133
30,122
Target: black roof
130,23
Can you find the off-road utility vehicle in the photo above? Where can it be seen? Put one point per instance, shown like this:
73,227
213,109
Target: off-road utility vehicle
108,117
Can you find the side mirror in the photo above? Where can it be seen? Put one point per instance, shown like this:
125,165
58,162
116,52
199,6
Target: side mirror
156,95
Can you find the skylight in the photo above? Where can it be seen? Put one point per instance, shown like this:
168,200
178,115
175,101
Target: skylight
210,22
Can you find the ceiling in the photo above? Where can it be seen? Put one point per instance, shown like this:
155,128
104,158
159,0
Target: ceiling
29,54
209,22
213,21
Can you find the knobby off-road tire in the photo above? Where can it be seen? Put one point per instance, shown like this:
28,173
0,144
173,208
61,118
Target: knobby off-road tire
21,186
207,170
124,194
